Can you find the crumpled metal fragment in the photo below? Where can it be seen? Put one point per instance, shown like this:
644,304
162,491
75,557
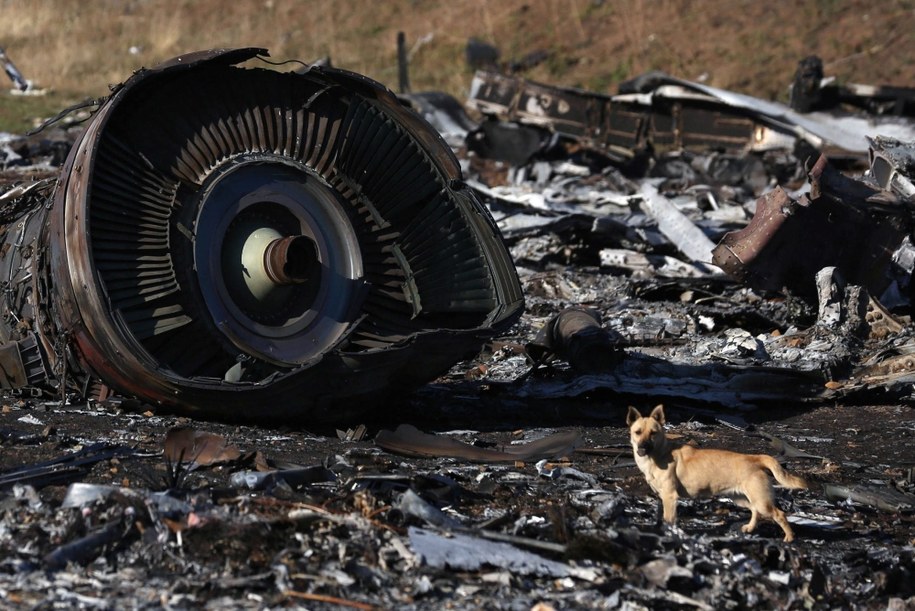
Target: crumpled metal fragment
841,223
576,335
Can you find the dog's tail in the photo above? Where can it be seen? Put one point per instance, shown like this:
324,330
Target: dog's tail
781,476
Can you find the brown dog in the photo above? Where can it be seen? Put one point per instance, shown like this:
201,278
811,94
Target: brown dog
672,471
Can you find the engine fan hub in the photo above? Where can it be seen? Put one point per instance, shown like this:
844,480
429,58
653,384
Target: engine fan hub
291,260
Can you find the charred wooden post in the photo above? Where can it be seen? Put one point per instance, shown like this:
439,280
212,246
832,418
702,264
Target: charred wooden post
403,67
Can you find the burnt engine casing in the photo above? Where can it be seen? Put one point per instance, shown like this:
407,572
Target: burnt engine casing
245,243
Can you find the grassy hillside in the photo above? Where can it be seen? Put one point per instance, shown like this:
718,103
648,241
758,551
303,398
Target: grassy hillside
76,49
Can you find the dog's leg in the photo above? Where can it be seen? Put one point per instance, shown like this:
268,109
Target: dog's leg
759,493
779,516
669,502
751,525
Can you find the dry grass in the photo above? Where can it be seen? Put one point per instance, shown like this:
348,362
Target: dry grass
78,48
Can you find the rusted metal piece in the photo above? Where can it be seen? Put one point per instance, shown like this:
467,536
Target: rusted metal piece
410,441
195,448
881,322
842,223
738,250
380,268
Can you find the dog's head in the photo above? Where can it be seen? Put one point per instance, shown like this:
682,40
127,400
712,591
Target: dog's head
646,433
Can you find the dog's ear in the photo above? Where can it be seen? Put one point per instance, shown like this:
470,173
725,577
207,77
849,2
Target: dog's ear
632,415
658,414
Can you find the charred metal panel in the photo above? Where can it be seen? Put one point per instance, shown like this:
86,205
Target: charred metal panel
662,113
625,126
697,125
245,243
494,94
589,118
23,366
879,99
619,125
572,113
12,369
703,127
664,127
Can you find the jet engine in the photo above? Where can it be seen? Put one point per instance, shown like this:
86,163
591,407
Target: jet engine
246,243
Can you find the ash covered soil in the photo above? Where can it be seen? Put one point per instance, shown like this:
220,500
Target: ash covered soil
474,535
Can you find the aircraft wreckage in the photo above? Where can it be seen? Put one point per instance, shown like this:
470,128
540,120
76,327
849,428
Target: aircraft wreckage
242,242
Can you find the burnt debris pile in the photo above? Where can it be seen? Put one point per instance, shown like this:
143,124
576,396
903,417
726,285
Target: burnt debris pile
740,252
480,296
247,518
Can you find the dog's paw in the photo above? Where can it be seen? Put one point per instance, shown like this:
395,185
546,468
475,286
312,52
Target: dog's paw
673,530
